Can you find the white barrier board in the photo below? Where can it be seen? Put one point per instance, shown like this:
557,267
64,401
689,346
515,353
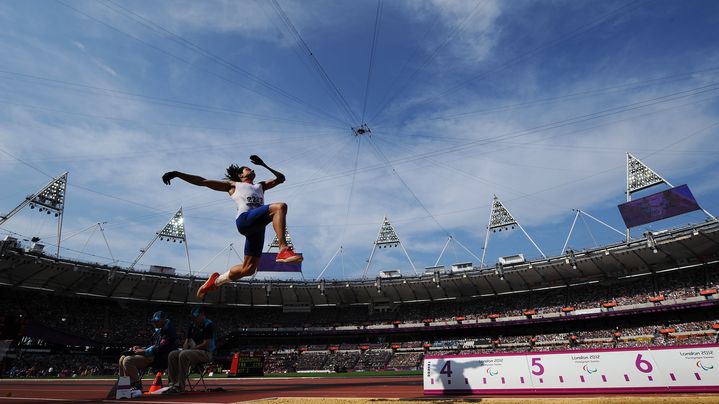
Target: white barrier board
691,368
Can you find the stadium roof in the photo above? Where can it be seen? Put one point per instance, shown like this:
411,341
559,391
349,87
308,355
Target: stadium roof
669,250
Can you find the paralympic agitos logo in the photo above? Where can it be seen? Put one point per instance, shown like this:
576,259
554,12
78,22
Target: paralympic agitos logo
589,369
492,371
704,366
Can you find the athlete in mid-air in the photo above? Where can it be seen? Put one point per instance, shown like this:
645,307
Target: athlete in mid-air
252,217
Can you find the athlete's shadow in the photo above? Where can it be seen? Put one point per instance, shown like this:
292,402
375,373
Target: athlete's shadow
453,373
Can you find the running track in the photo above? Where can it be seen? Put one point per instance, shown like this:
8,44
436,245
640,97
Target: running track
236,390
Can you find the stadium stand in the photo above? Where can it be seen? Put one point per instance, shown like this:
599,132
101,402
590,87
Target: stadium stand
57,331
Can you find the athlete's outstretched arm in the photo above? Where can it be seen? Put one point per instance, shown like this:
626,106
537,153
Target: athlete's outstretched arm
224,186
279,177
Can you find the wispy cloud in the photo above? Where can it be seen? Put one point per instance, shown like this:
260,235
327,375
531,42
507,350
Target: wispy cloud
546,134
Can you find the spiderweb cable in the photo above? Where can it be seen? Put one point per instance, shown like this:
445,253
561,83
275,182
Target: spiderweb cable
163,51
377,19
384,158
352,187
622,10
334,91
457,30
212,56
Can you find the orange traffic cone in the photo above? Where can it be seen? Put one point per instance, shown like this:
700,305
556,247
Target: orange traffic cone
157,383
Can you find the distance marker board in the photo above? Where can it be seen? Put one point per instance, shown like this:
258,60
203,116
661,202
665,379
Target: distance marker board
691,368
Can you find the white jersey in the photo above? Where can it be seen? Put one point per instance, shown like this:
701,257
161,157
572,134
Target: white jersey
248,196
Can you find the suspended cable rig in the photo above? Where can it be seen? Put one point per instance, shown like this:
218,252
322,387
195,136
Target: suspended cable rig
362,130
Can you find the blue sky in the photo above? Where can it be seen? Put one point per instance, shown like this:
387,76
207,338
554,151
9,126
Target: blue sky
534,101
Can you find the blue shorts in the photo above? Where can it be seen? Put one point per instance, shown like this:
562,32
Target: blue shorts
251,224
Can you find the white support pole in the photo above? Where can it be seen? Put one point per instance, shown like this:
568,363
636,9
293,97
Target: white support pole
465,248
449,238
18,208
102,231
187,252
328,264
369,261
94,229
342,258
61,214
530,239
484,248
408,258
601,222
486,236
571,229
216,255
143,251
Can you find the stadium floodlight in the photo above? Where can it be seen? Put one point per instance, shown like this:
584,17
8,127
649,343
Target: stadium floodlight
50,199
173,230
500,218
387,238
276,243
640,176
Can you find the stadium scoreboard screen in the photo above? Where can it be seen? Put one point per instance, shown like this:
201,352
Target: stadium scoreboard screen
248,365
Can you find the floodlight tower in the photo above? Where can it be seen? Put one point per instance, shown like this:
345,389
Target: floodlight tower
276,242
50,199
500,218
387,238
173,231
640,176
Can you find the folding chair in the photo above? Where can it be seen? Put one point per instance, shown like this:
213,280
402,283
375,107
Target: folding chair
202,369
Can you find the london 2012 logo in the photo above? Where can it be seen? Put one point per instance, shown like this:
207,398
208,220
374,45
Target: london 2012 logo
704,366
589,369
492,371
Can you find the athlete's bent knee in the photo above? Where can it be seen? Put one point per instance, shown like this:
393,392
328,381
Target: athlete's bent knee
279,206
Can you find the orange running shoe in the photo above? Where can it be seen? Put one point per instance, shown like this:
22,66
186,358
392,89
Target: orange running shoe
208,286
288,256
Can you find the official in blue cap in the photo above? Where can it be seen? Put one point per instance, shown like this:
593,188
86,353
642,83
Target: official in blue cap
162,342
198,348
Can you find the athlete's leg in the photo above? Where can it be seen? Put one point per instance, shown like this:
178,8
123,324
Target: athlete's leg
235,273
254,242
278,213
247,268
